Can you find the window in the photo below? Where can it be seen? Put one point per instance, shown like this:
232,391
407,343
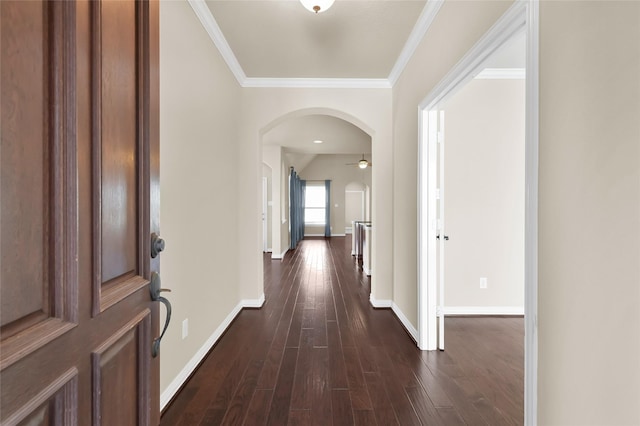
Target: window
314,205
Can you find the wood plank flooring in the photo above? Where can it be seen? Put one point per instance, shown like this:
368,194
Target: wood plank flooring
317,353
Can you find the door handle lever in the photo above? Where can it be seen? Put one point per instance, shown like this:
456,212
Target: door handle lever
155,291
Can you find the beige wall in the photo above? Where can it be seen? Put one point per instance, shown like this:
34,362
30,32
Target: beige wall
457,27
333,167
263,108
589,233
484,195
199,114
589,230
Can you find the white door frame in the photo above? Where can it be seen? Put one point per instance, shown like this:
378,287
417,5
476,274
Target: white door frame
521,16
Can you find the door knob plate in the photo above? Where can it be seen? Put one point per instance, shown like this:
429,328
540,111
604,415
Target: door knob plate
157,245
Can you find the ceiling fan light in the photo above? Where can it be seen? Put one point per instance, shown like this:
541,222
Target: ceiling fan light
317,6
363,164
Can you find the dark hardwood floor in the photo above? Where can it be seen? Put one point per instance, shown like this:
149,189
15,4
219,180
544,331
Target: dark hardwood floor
317,353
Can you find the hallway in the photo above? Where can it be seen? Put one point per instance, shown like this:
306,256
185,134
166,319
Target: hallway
317,353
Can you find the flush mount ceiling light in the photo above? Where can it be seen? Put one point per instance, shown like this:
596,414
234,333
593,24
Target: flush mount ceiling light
317,141
317,6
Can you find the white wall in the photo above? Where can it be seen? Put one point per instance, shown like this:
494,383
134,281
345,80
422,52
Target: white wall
484,196
334,168
589,247
199,112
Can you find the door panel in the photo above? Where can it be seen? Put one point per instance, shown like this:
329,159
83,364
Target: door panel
79,197
38,277
115,47
118,172
117,365
22,241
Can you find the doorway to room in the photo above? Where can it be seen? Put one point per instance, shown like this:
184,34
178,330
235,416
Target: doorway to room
518,22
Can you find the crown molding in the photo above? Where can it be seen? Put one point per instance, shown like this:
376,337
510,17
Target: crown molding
501,74
318,83
203,13
209,23
421,27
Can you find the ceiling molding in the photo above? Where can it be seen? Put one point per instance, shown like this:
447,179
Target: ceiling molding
215,33
319,83
421,27
501,74
209,23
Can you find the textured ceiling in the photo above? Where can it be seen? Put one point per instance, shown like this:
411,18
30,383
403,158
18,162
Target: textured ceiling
281,39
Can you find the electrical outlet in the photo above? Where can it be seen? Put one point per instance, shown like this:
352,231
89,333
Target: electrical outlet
483,282
185,328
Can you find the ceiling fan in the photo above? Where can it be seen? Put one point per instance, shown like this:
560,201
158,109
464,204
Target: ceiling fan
363,164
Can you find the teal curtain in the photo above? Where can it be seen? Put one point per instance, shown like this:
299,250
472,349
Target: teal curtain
327,208
297,189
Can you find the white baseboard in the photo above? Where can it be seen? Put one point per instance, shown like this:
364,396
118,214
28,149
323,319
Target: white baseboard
483,310
379,303
348,230
279,256
269,250
314,235
367,271
176,384
253,303
338,235
405,322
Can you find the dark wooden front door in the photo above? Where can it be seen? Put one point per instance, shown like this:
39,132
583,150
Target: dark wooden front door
78,203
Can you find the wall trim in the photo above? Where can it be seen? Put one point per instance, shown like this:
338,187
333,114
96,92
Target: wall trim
379,304
253,303
193,363
502,74
184,374
317,83
426,18
338,235
215,33
279,256
314,235
483,310
421,27
405,321
510,23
